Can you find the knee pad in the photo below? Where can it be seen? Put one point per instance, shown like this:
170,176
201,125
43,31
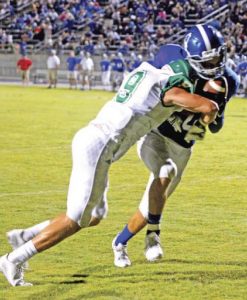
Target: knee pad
100,211
168,170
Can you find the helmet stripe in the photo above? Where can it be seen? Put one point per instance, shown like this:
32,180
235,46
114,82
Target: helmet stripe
204,36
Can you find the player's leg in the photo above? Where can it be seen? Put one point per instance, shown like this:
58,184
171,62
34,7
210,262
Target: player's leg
18,237
100,210
165,182
152,150
87,185
140,89
155,150
180,156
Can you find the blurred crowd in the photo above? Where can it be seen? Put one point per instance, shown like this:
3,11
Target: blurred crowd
100,26
128,28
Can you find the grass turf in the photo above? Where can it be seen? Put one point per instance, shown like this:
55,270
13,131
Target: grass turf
203,228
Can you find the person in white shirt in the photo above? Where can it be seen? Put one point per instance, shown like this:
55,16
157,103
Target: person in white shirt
53,63
88,71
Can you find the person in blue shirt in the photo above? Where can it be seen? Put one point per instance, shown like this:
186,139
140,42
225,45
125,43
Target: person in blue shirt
167,149
105,67
72,62
242,72
118,68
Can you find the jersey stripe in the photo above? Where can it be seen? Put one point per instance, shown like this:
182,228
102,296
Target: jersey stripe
226,85
217,87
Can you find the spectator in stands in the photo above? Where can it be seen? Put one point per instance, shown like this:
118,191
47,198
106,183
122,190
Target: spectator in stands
47,27
105,67
23,67
53,63
23,45
118,18
88,45
72,62
124,48
100,46
6,40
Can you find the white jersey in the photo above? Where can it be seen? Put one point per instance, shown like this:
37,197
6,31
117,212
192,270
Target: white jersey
134,111
53,62
137,107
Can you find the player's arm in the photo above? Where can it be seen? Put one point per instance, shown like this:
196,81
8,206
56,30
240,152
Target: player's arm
218,123
232,83
192,102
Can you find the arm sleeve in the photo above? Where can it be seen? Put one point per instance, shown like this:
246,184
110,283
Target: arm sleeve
181,78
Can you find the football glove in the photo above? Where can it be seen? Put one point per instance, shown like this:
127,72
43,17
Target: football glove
196,132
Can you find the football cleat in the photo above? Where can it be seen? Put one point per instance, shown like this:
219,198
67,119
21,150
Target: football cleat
121,258
15,239
13,272
153,250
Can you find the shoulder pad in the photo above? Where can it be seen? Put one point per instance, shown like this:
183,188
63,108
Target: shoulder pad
182,66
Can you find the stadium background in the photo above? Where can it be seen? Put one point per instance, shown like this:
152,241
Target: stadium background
129,27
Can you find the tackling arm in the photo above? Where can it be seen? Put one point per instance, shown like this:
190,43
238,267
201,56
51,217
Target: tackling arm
191,102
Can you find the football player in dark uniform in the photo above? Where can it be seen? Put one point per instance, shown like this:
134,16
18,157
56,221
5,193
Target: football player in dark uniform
167,150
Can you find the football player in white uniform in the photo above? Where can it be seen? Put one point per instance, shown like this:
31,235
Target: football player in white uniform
146,98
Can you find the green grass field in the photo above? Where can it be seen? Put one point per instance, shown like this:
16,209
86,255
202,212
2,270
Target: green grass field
203,229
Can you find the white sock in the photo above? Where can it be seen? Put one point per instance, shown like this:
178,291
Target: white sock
23,253
31,232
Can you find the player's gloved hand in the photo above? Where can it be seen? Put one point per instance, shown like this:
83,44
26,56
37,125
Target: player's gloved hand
196,132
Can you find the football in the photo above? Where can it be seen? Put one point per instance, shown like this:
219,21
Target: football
214,86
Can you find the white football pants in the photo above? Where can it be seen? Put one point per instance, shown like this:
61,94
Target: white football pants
164,158
89,180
